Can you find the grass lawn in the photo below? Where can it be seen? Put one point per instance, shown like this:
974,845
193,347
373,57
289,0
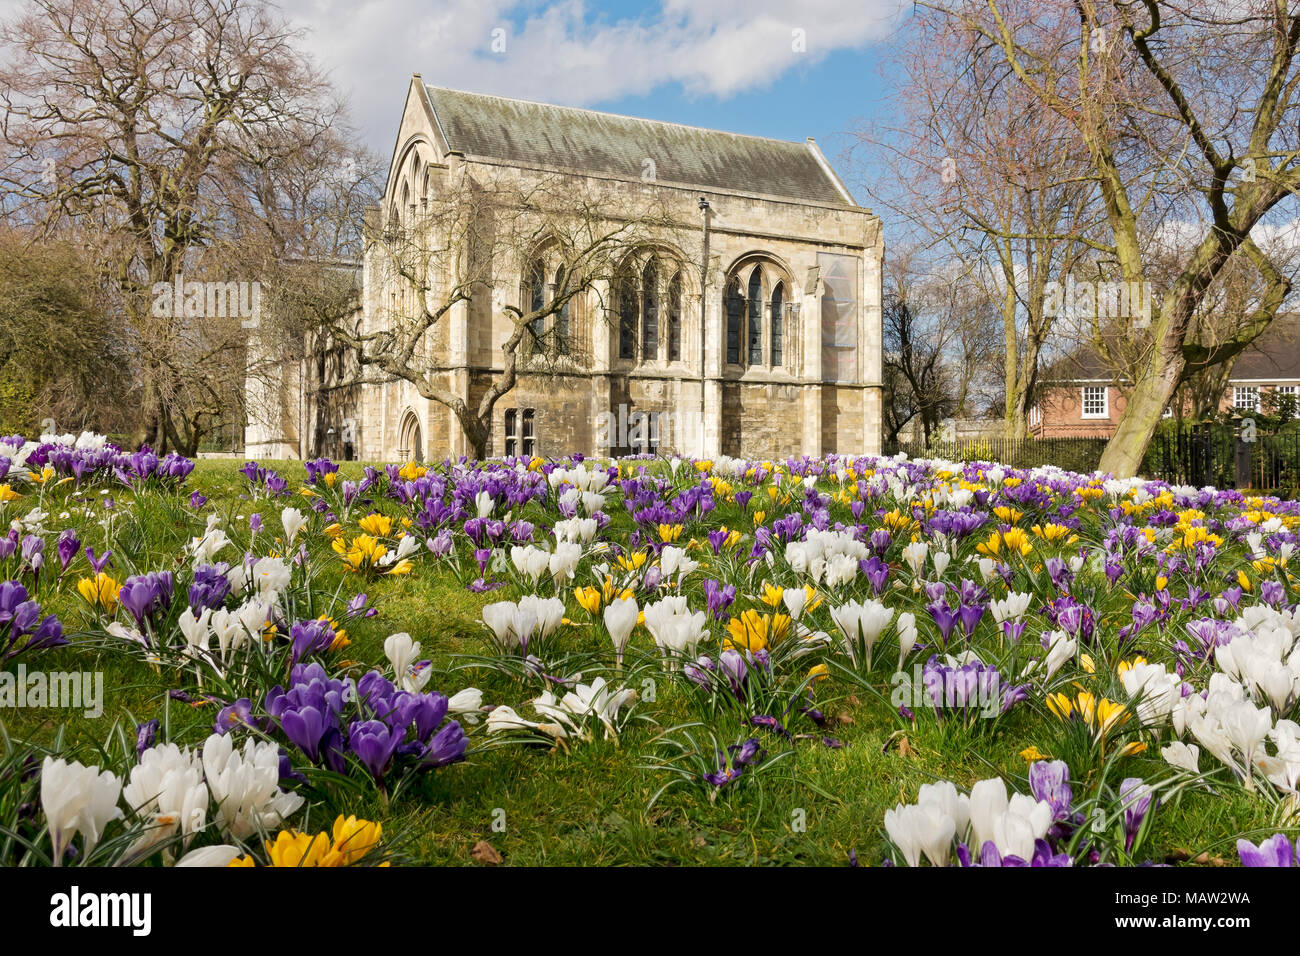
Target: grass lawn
597,802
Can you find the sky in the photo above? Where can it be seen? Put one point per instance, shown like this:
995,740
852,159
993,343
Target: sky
763,67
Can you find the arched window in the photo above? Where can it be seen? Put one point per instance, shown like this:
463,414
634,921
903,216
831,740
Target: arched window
511,430
778,316
535,297
650,311
562,317
627,317
755,350
735,303
675,318
528,443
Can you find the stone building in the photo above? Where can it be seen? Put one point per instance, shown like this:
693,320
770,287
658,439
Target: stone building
780,355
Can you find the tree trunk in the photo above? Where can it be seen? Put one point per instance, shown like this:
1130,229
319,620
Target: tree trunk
1142,413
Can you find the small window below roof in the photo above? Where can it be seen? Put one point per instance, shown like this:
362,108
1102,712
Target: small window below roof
1096,402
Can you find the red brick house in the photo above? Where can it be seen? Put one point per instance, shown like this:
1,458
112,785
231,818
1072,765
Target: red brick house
1080,398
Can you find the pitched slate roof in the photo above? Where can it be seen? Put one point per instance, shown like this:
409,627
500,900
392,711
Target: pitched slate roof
1275,355
537,134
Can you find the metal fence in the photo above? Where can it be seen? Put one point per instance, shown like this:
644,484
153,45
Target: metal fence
1219,454
1072,454
1227,456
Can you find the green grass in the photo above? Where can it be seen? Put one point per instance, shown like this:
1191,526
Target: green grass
589,804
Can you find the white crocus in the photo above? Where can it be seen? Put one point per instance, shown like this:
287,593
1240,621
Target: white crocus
293,520
245,786
466,704
1184,756
620,618
167,790
988,802
220,855
914,554
861,626
77,799
270,576
402,652
905,628
795,600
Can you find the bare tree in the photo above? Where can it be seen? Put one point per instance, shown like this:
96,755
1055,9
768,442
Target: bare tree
464,248
157,124
986,174
940,332
1187,113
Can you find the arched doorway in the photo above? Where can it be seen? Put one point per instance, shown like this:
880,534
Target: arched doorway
410,442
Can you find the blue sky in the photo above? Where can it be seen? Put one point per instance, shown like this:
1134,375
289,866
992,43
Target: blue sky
763,67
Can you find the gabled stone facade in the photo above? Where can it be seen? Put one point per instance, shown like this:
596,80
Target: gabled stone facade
780,356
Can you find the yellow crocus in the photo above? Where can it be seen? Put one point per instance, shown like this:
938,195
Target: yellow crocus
294,849
376,524
670,532
588,599
354,838
772,594
101,591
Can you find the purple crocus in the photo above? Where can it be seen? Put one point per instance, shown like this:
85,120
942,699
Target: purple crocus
1275,851
67,546
373,743
447,747
1137,799
146,734
944,616
310,637
1050,782
98,564
210,587
238,714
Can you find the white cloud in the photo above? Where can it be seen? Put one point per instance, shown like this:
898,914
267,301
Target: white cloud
569,52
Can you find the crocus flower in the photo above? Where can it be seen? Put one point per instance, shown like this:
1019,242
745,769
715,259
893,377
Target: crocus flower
1275,851
77,799
1137,799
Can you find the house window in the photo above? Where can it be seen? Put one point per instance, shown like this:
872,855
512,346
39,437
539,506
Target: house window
643,432
675,319
1095,401
650,311
778,308
511,423
735,309
627,318
755,318
520,432
561,317
1246,398
535,298
528,439
1285,391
